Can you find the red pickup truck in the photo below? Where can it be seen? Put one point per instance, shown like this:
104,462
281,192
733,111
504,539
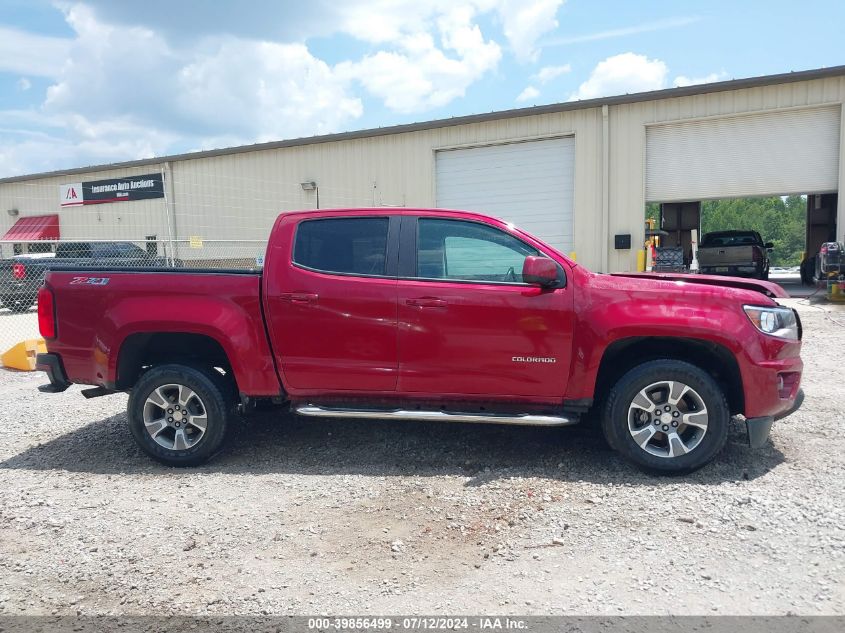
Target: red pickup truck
427,315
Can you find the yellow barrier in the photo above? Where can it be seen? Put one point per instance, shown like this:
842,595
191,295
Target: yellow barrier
22,355
640,261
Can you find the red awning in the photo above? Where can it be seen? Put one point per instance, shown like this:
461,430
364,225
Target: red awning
33,228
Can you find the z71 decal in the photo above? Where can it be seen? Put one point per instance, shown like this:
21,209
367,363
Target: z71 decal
91,281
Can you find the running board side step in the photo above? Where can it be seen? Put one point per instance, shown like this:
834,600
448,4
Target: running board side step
526,419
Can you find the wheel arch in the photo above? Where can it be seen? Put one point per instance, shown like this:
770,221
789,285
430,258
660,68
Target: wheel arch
147,349
718,361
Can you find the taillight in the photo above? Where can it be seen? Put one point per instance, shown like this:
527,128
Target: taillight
46,313
19,271
758,256
824,250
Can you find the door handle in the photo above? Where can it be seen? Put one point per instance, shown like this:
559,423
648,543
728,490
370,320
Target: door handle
299,297
426,302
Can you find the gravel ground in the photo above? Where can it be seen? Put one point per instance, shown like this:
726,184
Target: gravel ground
335,517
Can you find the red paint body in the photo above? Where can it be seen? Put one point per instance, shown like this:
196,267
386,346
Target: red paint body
333,336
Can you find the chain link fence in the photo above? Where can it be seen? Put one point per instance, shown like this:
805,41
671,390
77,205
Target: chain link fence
22,274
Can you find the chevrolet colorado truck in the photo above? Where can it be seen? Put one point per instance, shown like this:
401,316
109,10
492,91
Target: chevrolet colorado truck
425,314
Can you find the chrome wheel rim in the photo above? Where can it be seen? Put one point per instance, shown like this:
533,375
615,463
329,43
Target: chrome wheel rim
175,417
668,419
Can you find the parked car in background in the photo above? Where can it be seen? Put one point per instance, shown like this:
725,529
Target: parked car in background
426,314
22,275
735,253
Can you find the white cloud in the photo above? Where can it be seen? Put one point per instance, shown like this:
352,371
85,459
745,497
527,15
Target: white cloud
529,93
72,140
682,80
30,54
420,75
525,21
623,74
126,93
267,90
374,21
131,84
548,73
420,72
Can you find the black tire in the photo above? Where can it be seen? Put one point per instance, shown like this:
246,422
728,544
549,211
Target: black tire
214,398
616,424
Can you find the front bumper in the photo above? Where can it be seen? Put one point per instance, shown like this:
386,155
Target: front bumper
51,364
758,429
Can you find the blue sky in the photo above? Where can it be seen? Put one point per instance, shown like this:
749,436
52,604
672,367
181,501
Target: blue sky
108,80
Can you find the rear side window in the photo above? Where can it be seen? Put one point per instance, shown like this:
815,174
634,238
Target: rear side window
349,246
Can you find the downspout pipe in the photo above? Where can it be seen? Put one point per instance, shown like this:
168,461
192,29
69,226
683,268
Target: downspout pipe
605,187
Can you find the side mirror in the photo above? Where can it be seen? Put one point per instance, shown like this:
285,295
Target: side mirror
540,271
769,245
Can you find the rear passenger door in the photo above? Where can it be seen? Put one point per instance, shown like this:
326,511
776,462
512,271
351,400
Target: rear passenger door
332,303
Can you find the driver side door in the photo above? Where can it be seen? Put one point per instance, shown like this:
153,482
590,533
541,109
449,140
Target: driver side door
468,325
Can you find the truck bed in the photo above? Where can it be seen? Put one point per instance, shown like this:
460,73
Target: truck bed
99,309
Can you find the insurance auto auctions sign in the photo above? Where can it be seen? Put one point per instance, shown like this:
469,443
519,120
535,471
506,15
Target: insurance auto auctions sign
112,190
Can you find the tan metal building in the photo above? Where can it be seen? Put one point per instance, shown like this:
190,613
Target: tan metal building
577,174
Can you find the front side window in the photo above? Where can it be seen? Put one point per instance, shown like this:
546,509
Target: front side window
469,251
350,246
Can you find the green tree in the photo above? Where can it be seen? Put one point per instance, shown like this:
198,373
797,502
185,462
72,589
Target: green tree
779,220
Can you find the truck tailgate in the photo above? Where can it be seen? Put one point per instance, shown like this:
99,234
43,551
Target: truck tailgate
742,255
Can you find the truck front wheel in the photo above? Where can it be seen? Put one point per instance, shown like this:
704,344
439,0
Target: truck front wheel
178,414
666,416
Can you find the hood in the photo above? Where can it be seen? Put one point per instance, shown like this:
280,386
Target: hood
766,288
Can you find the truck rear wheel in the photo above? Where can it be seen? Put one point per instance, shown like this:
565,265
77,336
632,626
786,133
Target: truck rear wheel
178,414
666,416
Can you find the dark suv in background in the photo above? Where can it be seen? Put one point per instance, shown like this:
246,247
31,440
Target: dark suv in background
22,275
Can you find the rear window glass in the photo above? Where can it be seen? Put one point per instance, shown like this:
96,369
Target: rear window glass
352,246
733,239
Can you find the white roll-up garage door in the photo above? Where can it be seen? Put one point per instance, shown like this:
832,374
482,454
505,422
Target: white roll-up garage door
788,152
528,183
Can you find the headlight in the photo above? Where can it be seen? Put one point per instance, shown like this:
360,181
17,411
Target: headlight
777,321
